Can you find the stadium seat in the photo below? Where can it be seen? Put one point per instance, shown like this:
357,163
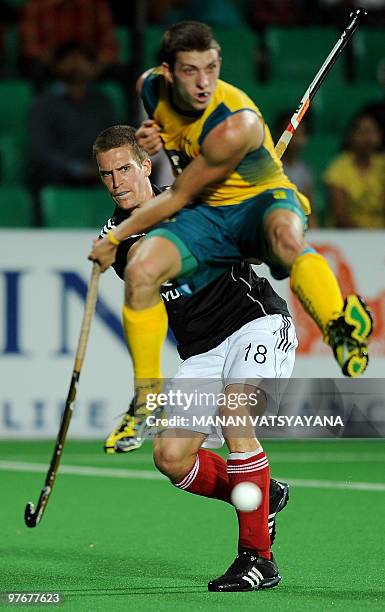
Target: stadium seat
369,52
16,208
239,53
115,93
75,207
274,99
11,48
340,104
12,159
320,150
15,100
298,53
151,46
123,36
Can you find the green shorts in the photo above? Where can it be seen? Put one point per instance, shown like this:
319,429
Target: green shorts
210,239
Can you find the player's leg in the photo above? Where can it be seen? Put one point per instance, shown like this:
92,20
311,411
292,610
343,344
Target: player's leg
166,253
254,567
145,327
178,452
256,351
346,326
178,455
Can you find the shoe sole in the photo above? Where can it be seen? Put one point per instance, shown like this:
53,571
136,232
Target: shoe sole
269,583
114,450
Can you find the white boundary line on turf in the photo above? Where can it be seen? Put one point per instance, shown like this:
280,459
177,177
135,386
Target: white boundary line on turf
274,457
80,470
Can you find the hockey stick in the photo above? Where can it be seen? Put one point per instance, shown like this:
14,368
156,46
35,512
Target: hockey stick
304,104
33,516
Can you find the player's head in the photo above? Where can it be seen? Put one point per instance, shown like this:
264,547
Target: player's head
191,60
124,166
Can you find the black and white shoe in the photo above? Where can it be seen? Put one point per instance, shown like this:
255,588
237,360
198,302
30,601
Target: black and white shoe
248,573
278,498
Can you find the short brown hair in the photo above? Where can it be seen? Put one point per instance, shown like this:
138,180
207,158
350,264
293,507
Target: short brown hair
119,136
187,36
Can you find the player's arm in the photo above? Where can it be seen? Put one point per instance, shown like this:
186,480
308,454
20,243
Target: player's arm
222,150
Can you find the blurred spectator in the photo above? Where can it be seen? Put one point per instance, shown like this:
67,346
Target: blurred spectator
377,109
46,25
65,120
356,178
276,12
220,13
294,166
337,11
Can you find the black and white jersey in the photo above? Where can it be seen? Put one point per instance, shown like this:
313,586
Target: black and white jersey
206,318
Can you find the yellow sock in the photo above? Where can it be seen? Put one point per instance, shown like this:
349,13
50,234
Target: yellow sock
145,332
314,283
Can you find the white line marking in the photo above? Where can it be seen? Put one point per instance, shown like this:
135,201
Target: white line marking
277,457
83,470
335,484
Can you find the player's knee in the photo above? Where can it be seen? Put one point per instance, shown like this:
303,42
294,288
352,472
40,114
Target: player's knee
287,242
170,461
141,273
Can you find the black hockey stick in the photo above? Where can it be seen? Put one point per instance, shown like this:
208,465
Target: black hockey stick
33,516
316,83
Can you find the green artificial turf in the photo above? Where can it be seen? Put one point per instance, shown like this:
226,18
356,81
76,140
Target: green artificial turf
109,542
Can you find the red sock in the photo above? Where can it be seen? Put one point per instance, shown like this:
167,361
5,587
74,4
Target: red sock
253,526
208,477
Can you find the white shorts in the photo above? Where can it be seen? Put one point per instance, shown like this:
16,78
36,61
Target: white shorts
263,349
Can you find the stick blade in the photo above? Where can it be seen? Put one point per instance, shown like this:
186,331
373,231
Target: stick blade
30,516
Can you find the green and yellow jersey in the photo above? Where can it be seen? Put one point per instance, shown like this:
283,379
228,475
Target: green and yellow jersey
184,133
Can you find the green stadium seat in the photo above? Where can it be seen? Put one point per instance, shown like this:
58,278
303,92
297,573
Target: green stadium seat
340,103
123,36
319,152
75,207
274,99
239,52
12,159
15,99
11,47
298,53
152,41
369,51
16,208
115,93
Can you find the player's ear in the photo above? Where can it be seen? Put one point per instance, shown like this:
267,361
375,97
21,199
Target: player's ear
167,72
147,166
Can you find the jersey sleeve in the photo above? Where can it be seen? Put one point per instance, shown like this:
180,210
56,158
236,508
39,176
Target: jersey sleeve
150,91
220,114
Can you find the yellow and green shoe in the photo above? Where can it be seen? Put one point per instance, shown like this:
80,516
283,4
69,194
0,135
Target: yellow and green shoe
349,335
127,437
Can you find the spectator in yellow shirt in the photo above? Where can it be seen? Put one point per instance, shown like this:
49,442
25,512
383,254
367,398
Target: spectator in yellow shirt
355,179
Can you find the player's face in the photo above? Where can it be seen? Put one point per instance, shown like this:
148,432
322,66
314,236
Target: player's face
194,78
125,177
